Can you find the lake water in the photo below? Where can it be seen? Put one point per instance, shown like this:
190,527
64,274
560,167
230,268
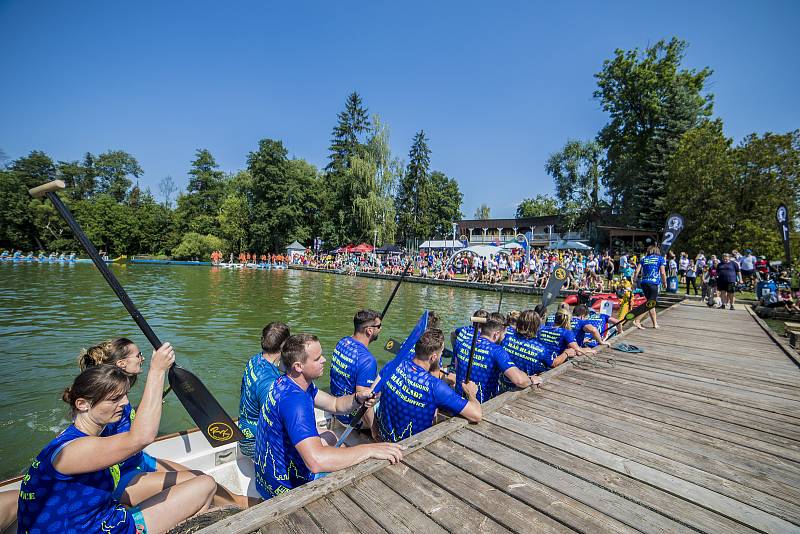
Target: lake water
212,316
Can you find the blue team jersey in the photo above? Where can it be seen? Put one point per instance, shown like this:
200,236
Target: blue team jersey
585,339
50,501
550,319
464,334
651,269
555,338
489,362
409,400
259,374
124,425
528,354
286,419
352,364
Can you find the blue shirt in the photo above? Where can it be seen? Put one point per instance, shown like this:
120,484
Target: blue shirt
286,419
409,401
124,425
352,364
489,362
50,501
528,354
259,374
651,269
584,338
555,338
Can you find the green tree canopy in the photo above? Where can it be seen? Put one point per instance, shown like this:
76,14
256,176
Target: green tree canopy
444,206
652,102
539,206
413,193
483,212
114,169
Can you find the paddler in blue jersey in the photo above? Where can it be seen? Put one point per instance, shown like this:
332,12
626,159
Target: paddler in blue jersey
560,340
590,328
489,362
289,448
353,367
261,371
412,394
653,274
528,353
463,334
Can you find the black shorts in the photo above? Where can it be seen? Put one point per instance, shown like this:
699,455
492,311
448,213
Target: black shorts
728,287
748,274
650,291
681,272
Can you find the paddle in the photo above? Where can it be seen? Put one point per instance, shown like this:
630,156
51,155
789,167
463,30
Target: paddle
476,322
394,291
356,418
393,347
218,428
500,304
557,279
635,312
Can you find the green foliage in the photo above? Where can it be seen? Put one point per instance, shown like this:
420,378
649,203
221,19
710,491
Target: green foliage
413,195
539,206
651,102
198,208
114,169
34,169
444,206
197,246
483,212
15,220
347,138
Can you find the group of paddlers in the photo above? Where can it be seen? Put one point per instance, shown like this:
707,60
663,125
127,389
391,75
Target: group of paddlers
95,476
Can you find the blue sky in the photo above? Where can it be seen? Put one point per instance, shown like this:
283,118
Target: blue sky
497,86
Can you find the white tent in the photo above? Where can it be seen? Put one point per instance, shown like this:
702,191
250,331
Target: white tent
447,243
574,245
295,249
511,246
484,251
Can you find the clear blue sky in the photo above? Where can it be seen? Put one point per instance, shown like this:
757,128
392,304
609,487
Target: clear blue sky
497,86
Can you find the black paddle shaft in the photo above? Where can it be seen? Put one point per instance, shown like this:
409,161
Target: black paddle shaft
476,322
122,295
394,291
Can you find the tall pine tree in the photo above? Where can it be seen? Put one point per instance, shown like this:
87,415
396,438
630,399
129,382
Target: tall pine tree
413,195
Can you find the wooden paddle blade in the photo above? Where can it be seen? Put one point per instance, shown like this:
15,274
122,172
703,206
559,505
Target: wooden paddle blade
203,408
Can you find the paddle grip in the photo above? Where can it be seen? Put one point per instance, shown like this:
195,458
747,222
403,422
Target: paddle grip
42,190
122,295
394,291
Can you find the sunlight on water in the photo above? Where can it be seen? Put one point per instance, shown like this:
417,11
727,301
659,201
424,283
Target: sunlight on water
212,316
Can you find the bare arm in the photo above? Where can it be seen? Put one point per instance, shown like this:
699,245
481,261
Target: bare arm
93,453
579,350
472,412
343,405
321,459
519,378
663,274
595,334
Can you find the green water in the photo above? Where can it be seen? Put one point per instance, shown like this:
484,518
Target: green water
212,316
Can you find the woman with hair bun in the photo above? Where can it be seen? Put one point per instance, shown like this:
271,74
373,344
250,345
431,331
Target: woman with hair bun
69,485
141,476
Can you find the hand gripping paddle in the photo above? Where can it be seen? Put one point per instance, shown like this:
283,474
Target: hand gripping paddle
218,428
358,414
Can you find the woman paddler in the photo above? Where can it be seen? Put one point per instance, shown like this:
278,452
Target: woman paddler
560,339
528,353
69,485
141,475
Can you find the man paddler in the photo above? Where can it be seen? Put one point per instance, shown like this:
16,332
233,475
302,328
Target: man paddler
289,448
490,361
260,372
412,393
353,367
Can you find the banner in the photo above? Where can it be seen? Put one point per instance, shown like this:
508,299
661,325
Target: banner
782,218
672,230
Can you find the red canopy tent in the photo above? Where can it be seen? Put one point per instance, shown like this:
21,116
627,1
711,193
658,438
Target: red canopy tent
362,248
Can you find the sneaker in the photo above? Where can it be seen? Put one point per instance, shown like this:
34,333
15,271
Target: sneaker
731,307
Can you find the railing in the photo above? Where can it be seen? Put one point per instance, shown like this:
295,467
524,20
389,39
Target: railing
480,239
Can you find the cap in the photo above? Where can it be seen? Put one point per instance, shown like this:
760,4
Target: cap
748,251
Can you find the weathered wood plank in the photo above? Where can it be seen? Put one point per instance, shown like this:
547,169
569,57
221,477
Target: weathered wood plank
559,506
608,403
450,512
506,510
297,522
492,440
389,509
678,443
729,498
354,513
329,518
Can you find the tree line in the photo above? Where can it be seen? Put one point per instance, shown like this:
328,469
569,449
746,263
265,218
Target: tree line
364,194
663,151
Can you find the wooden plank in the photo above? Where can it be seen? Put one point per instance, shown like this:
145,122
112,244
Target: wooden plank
557,505
354,513
389,509
506,510
450,512
606,402
329,518
724,496
297,522
679,443
693,403
494,441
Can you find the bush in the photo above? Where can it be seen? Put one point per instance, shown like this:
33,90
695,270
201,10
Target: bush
194,245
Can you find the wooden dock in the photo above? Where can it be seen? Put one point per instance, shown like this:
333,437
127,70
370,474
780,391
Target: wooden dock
701,432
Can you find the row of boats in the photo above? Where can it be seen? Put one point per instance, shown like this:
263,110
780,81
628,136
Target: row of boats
50,258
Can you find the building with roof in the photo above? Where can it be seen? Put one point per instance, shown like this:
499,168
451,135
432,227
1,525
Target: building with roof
540,231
